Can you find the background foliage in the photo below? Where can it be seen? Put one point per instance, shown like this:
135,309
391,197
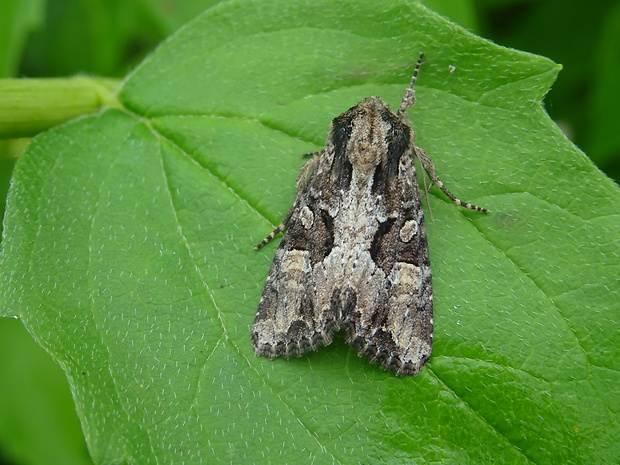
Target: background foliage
55,38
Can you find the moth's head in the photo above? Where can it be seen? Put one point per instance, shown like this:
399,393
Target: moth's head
369,134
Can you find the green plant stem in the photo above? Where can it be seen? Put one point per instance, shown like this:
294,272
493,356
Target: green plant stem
29,106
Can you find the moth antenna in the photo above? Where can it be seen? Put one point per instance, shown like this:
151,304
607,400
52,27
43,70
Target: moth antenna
409,97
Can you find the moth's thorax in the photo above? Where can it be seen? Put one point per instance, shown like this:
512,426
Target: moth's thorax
367,133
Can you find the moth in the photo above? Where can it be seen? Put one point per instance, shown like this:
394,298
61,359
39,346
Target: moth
354,254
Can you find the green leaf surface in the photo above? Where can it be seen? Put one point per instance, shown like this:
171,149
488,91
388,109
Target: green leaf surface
128,251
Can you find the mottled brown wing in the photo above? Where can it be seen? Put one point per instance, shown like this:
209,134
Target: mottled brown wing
290,320
392,324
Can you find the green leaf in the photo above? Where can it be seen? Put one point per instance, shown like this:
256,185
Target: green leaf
128,251
463,12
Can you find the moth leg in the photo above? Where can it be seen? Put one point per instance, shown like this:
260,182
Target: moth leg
271,235
428,166
407,101
311,154
428,203
307,171
303,179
